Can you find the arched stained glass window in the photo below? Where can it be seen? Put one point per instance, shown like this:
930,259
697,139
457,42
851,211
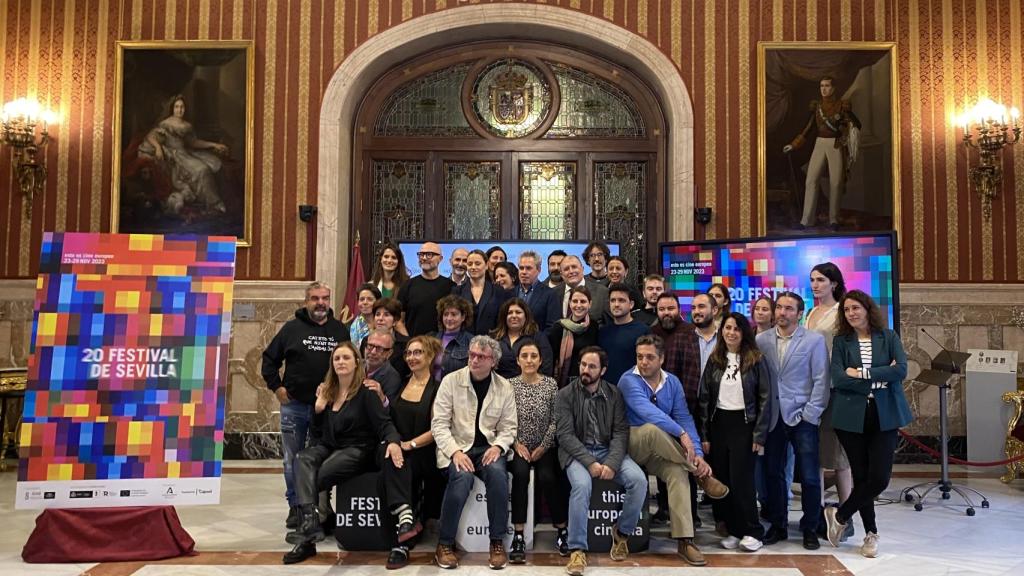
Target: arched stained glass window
427,106
593,108
511,140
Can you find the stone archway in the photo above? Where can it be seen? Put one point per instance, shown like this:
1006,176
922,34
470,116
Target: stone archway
469,23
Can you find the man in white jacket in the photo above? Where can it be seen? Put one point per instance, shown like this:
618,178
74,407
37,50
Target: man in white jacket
474,425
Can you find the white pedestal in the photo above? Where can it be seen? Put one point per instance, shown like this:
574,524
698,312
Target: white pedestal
473,534
990,373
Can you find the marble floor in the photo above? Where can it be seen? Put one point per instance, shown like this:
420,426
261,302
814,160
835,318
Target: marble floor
245,532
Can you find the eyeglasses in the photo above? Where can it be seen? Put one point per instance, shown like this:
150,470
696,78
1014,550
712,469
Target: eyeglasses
416,353
371,347
654,398
425,255
478,356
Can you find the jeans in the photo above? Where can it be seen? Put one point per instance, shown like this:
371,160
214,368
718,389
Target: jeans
295,420
804,439
629,475
759,477
460,484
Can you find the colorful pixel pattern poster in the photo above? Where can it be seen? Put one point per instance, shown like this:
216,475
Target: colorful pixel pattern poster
752,268
127,370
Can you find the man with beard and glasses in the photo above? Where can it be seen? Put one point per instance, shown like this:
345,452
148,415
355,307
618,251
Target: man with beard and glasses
420,294
458,263
596,254
381,376
593,439
304,345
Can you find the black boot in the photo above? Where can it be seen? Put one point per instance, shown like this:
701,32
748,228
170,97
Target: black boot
300,552
309,526
517,552
293,518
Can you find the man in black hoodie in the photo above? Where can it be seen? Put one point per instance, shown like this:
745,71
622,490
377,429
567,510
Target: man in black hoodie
304,345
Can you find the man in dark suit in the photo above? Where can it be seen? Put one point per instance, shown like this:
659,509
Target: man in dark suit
572,273
537,295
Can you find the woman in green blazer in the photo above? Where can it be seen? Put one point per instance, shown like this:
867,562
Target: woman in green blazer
869,408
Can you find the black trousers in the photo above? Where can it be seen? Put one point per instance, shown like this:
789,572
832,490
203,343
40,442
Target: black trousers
320,468
418,483
549,482
732,460
870,453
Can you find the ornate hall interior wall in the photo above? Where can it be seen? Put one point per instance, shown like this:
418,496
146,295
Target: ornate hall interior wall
961,274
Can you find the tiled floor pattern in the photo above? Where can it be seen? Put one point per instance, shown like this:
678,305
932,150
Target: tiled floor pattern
244,534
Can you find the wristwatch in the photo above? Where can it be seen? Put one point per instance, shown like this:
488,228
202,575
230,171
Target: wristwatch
413,444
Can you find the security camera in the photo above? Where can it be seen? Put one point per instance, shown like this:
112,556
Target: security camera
703,214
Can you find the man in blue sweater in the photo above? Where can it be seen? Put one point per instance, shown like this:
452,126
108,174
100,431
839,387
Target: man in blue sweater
618,337
663,439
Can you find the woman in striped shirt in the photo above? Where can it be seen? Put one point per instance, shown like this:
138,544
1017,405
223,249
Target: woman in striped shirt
869,408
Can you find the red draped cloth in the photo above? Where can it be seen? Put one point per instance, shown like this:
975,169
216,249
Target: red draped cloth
107,535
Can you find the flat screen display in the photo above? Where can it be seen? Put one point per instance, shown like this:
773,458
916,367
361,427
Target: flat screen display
512,250
752,267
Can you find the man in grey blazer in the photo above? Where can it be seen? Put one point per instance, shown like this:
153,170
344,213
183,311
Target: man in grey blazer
798,361
572,276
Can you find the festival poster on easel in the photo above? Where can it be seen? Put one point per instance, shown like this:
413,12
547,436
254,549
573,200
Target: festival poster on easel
127,370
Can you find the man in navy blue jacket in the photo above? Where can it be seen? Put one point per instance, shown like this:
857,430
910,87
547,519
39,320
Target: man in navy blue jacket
537,295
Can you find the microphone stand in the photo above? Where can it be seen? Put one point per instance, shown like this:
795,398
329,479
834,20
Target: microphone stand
939,376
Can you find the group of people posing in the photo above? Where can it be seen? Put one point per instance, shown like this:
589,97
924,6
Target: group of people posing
439,380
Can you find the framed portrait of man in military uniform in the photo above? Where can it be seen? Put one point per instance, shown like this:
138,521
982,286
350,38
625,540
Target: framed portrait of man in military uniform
828,154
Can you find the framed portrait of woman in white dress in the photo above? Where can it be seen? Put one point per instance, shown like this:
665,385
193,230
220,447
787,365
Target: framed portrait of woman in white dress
183,125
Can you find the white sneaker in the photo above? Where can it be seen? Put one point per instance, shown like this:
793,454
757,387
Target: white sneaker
730,542
750,544
833,528
870,547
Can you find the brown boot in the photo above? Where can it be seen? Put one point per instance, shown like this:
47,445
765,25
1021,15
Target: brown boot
620,545
577,563
497,559
445,557
688,551
713,488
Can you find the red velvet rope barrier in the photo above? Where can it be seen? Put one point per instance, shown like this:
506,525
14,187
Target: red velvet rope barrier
952,460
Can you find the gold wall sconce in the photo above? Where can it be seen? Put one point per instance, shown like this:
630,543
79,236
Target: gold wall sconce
25,130
989,127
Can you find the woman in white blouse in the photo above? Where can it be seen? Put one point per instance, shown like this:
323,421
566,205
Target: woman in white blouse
828,288
734,392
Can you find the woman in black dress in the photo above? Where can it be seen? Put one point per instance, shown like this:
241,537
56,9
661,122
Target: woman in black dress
411,412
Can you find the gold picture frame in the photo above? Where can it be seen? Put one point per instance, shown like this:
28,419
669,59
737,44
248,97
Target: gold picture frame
183,152
789,85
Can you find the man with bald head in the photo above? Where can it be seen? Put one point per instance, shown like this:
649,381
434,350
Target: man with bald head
420,294
572,276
